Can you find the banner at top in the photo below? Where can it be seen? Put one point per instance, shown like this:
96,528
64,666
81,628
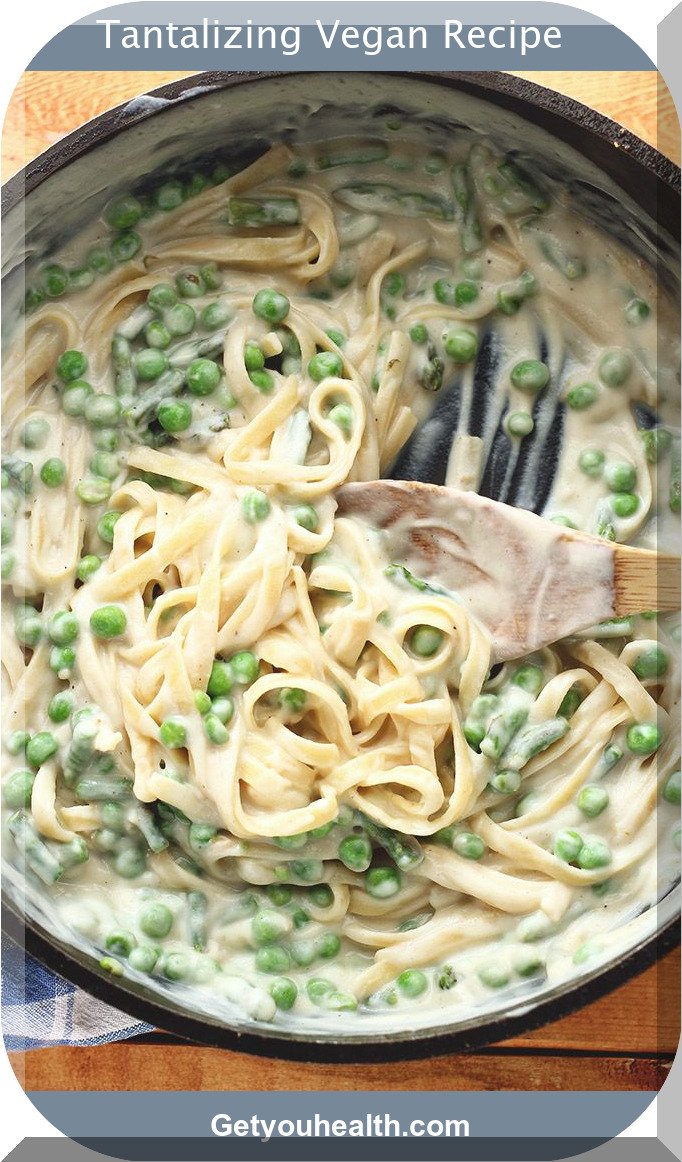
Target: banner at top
340,37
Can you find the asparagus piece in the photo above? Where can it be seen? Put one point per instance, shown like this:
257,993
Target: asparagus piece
145,822
81,749
478,719
380,198
197,907
533,741
36,853
255,212
466,210
404,850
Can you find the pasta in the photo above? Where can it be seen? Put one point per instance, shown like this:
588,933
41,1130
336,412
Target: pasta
244,750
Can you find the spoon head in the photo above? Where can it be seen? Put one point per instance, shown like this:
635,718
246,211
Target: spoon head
527,581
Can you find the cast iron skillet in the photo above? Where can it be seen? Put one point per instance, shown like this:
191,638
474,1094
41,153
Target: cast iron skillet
652,182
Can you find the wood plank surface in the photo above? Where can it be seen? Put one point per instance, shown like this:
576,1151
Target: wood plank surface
45,106
623,1041
161,1067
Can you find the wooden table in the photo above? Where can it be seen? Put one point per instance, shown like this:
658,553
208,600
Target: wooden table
624,1041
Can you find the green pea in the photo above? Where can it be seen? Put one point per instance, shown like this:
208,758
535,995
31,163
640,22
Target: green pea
28,627
216,315
494,976
80,277
53,472
108,621
593,854
106,525
156,921
620,476
292,699
63,628
615,367
180,319
202,376
174,415
267,927
355,852
102,411
339,1002
583,396
112,814
71,365
519,424
567,845
322,896
75,397
157,335
318,989
54,280
671,789
125,246
328,946
382,882
175,966
300,917
220,681
591,462
143,958
419,334
303,952
87,566
270,305
624,504
636,311
291,842
342,415
189,284
130,862
394,284
469,845
40,748
530,376
255,507
16,742
306,516
150,363
60,707
337,337
201,835
18,788
461,345
644,738
308,870
202,701
169,195
173,733
657,442
114,967
279,894
263,380
216,731
592,801
245,668
425,641
325,364
62,659
284,993
210,275
7,563
412,983
123,212
220,708
34,433
99,260
120,942
653,662
254,359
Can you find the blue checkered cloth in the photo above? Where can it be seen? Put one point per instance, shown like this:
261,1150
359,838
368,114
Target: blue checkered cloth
40,1009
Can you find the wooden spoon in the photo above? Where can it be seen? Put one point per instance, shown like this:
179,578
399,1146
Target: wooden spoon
528,581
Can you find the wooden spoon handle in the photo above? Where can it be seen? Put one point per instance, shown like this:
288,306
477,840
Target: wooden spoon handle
644,580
